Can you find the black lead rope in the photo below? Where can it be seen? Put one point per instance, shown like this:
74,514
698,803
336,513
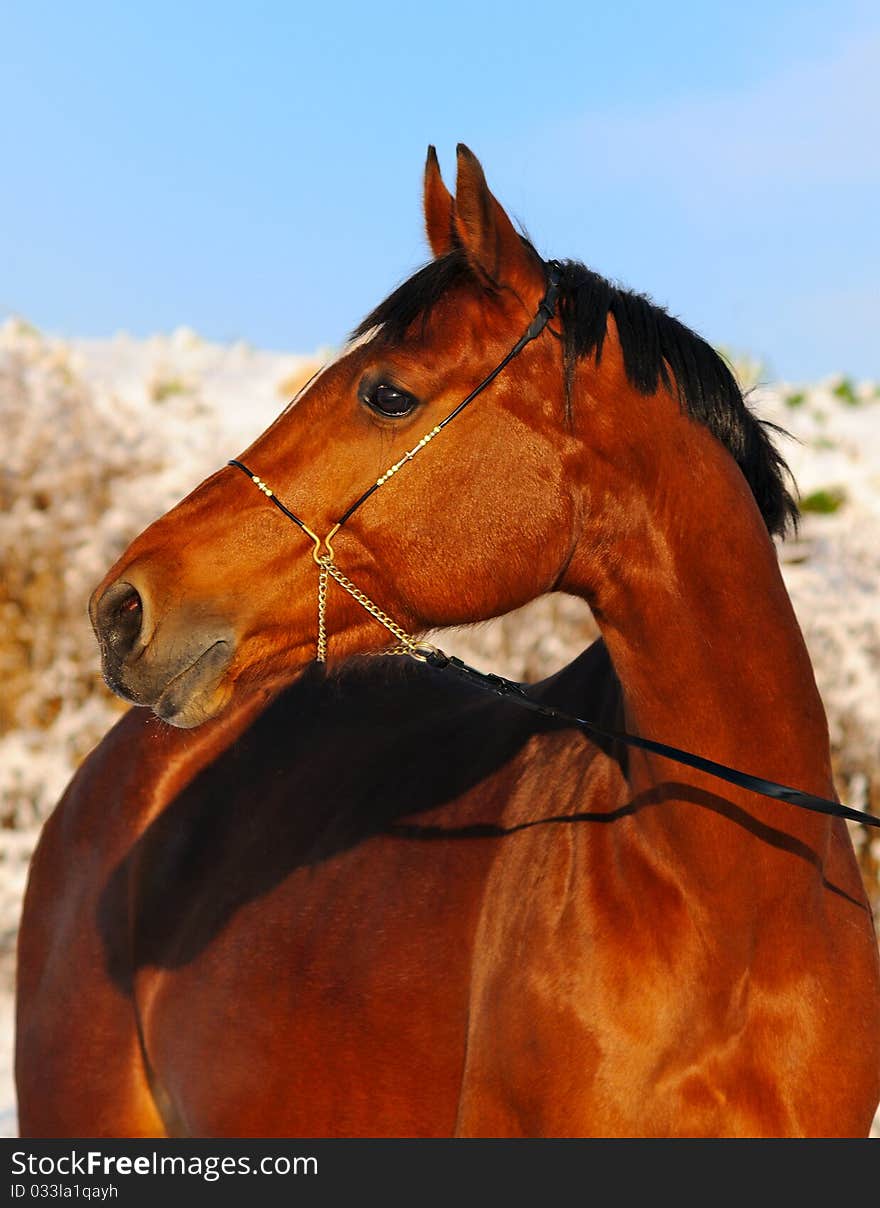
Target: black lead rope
516,693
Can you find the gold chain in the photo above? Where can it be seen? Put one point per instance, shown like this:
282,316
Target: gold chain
322,614
326,566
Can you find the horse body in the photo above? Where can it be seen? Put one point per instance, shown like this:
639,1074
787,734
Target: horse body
374,905
459,929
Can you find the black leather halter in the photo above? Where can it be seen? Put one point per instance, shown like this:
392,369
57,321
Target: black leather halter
543,315
517,693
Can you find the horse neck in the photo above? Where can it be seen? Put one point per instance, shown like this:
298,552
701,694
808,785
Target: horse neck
684,582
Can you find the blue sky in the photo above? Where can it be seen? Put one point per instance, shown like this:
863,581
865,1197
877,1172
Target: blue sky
254,170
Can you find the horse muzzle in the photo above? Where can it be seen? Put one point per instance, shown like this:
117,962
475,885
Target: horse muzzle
173,665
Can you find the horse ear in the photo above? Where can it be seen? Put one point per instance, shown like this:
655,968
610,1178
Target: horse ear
492,243
439,208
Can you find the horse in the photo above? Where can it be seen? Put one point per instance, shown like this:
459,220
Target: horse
309,888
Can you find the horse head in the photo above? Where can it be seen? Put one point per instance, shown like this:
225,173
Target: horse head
430,522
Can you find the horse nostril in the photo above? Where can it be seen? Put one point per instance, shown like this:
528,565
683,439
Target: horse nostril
119,617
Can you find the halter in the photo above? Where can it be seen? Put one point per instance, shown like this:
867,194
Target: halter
497,684
323,551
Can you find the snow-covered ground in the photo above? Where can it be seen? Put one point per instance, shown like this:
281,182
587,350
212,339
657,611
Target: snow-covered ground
100,437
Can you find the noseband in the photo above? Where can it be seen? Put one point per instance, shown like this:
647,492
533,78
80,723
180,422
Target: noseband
496,684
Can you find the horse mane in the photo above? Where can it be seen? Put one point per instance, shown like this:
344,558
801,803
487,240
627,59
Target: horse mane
657,350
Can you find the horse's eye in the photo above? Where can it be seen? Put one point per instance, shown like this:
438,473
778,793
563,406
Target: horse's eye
389,401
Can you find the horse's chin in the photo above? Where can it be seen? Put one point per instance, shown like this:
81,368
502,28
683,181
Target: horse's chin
199,693
209,700
200,708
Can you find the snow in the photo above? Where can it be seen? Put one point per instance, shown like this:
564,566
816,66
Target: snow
102,436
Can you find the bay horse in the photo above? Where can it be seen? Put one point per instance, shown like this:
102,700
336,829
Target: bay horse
351,897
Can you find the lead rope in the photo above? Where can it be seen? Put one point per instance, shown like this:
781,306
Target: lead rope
517,694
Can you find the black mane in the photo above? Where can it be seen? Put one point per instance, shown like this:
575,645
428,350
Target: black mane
657,350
